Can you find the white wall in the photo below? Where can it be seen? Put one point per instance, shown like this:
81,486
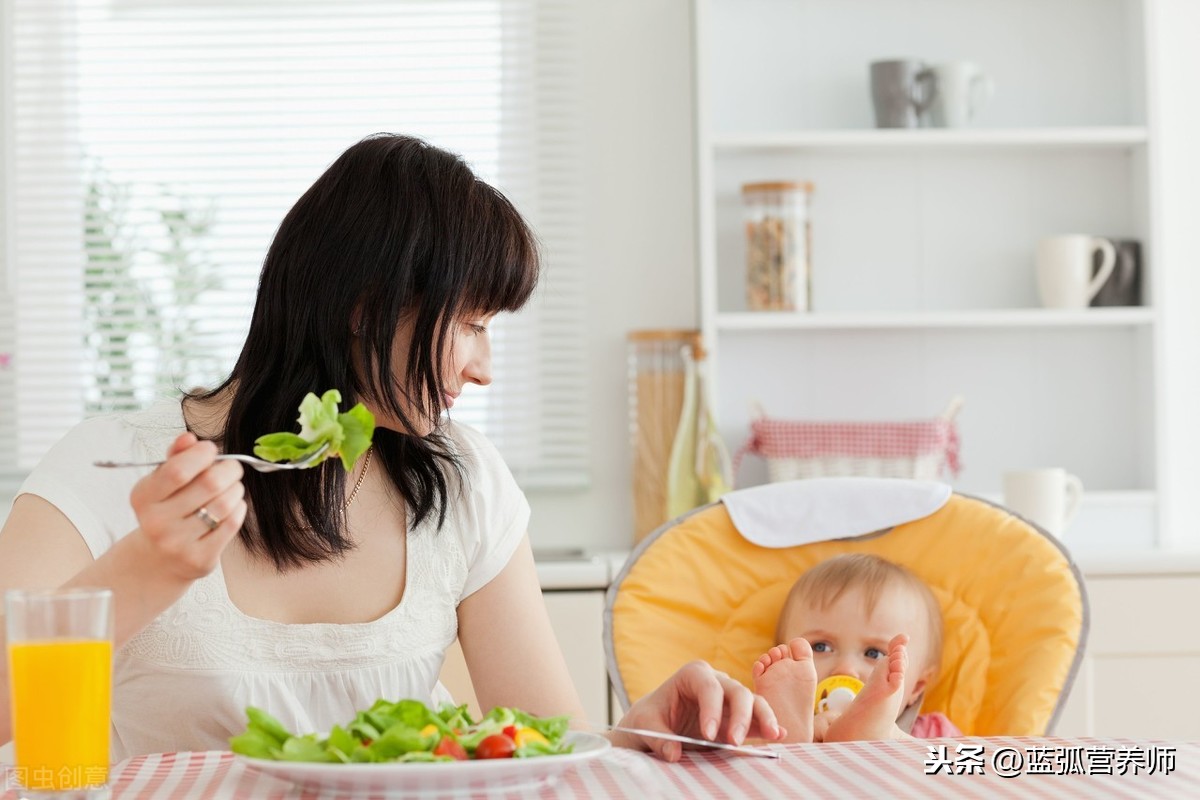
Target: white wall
639,238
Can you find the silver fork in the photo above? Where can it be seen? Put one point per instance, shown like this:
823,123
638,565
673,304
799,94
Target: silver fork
761,751
251,461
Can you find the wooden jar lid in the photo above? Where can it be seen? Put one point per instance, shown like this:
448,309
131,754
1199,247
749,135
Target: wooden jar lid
663,334
778,186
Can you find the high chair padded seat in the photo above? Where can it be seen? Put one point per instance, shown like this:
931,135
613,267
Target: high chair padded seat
1014,605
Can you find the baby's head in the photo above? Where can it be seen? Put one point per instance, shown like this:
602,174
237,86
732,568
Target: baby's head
851,606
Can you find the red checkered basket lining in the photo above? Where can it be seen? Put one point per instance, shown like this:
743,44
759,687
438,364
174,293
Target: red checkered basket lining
795,449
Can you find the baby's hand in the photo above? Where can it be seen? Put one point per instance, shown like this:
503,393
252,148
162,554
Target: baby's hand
821,723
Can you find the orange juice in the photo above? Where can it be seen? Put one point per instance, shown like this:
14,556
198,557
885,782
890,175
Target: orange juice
61,693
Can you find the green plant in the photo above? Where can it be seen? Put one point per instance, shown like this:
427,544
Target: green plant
145,273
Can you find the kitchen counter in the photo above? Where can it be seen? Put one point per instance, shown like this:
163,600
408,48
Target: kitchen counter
580,570
1139,562
574,569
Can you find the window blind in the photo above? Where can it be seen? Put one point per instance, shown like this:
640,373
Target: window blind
154,146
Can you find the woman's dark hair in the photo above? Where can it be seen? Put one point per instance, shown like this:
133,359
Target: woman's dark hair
396,230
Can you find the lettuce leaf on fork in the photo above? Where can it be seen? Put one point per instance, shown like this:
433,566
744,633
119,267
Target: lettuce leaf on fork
348,434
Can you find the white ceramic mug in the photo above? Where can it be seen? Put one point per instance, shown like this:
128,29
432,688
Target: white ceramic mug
1064,269
1048,497
961,89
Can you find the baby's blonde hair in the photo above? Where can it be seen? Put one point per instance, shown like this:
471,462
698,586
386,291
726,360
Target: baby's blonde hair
822,585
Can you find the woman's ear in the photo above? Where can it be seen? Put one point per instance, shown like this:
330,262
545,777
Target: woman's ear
357,326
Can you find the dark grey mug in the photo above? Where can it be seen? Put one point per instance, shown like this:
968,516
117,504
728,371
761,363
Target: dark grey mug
1124,286
902,91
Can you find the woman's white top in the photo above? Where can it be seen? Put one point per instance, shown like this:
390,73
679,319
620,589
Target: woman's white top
183,682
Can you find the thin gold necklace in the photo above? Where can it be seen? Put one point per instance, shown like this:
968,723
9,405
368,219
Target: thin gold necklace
358,483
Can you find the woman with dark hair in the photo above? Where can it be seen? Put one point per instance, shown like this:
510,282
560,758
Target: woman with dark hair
314,592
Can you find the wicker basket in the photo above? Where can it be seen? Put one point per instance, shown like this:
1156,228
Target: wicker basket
921,449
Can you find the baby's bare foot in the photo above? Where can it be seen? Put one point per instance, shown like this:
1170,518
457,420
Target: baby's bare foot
786,677
873,713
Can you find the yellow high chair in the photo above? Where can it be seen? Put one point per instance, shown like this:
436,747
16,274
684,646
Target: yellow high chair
1014,604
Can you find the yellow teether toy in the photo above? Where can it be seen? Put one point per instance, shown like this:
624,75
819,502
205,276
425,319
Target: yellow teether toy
835,693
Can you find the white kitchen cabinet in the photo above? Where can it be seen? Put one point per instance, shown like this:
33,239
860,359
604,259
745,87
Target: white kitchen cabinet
922,240
578,621
1136,676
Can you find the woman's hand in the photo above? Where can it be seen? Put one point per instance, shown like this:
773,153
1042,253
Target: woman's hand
700,702
188,509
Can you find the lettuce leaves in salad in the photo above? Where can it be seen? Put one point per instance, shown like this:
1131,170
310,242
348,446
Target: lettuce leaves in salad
407,730
348,434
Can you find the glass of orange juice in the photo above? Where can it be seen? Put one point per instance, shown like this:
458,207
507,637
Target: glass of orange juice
60,648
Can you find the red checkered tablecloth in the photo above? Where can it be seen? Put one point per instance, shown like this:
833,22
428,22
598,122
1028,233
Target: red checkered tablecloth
976,767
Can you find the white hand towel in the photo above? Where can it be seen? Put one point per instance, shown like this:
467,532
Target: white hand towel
791,513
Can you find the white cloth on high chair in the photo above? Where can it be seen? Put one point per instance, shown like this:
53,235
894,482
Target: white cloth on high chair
792,513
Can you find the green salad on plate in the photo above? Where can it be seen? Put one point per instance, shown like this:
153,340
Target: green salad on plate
407,731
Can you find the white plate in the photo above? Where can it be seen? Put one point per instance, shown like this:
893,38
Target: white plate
416,779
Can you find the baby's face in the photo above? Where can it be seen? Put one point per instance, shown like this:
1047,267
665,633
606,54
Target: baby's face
847,641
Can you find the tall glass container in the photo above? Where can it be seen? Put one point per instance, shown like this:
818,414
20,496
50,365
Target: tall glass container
699,471
778,243
60,651
657,376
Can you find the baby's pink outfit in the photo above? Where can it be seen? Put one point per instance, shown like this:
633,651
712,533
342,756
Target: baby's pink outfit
935,725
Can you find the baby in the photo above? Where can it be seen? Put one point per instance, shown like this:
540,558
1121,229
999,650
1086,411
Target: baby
870,619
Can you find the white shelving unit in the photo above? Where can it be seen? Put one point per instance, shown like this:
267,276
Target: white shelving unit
983,318
923,284
939,140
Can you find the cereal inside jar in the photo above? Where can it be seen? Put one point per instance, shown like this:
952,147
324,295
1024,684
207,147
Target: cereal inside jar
778,270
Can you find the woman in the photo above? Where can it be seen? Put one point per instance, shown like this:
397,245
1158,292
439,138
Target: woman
312,593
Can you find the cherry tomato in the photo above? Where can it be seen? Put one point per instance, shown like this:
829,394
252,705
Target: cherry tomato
510,732
495,746
449,746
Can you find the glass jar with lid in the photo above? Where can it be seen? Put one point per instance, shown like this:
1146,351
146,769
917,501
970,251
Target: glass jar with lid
778,245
